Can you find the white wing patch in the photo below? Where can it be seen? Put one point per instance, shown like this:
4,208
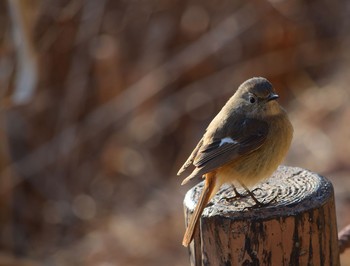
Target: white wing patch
226,140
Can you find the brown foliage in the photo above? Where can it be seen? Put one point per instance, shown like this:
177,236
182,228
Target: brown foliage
102,101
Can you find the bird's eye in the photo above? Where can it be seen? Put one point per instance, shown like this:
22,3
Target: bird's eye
252,99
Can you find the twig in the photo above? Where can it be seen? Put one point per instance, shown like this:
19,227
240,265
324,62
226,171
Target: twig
344,239
27,59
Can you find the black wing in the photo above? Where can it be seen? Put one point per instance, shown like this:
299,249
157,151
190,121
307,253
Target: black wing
247,136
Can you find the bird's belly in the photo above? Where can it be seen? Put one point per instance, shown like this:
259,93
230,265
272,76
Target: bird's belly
255,167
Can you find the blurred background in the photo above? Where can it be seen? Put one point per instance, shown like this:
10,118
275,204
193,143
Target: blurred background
102,101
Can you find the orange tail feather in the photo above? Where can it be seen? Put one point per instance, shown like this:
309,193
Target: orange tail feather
206,195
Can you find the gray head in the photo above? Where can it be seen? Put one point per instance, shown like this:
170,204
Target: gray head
258,88
256,96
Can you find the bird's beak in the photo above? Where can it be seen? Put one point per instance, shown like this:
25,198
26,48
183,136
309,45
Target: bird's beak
272,96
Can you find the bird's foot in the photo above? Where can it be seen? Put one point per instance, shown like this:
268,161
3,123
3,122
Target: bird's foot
237,195
259,204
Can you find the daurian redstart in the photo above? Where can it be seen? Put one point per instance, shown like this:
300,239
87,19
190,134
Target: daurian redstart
245,142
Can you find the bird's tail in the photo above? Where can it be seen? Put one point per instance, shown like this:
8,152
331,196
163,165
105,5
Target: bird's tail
209,190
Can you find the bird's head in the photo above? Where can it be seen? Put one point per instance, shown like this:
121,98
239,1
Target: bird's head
257,98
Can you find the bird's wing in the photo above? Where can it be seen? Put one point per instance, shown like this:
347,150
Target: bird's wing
190,159
228,145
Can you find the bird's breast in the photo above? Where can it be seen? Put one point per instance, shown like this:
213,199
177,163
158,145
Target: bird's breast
253,167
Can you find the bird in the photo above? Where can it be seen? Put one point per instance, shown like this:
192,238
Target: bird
244,143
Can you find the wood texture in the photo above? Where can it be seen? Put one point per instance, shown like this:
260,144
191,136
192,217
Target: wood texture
297,228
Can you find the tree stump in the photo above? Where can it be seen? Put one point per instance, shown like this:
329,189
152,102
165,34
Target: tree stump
297,228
